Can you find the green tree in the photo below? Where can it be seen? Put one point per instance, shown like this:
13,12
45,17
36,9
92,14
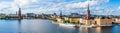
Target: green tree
66,21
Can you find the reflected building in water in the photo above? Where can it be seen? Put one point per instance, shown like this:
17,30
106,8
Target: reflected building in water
95,30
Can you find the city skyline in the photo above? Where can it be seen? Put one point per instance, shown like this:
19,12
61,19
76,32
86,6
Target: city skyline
99,7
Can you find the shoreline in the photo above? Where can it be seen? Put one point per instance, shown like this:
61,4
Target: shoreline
78,25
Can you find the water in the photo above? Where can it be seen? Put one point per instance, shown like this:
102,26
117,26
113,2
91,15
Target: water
46,26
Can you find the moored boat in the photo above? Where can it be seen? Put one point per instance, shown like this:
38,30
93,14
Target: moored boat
67,24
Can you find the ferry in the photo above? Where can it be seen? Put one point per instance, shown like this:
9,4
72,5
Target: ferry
67,24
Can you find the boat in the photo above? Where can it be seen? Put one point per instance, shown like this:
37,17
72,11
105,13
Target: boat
93,25
88,25
67,24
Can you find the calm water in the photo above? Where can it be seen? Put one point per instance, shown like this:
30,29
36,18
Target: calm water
46,26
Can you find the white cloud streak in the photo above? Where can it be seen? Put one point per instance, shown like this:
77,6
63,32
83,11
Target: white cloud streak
119,8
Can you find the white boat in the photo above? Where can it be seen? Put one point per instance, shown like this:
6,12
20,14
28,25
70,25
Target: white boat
67,24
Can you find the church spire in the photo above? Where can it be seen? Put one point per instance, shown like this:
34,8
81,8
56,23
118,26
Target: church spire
88,13
60,13
88,7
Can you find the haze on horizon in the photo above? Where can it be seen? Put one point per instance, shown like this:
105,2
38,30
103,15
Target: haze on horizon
98,7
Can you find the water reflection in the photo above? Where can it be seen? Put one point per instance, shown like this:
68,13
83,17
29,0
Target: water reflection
96,30
85,29
19,26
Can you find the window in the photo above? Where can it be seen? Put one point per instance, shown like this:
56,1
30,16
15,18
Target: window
95,22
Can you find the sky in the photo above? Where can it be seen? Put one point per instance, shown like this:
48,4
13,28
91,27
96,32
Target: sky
97,7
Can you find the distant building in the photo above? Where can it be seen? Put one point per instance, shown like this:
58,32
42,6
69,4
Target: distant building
31,15
73,19
12,16
74,14
103,21
2,15
117,20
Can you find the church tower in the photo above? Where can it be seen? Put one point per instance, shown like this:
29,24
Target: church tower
88,13
19,14
61,14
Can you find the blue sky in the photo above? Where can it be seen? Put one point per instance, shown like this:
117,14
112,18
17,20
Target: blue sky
99,7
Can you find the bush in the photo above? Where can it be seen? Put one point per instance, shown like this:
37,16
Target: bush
66,21
77,23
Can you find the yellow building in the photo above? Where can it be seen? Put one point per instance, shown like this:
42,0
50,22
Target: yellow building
90,22
117,20
104,22
59,20
74,19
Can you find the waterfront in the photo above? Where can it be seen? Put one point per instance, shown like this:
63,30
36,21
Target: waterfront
46,26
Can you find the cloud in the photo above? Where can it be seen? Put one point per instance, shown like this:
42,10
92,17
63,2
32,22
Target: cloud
13,6
49,5
24,2
119,8
85,3
4,5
